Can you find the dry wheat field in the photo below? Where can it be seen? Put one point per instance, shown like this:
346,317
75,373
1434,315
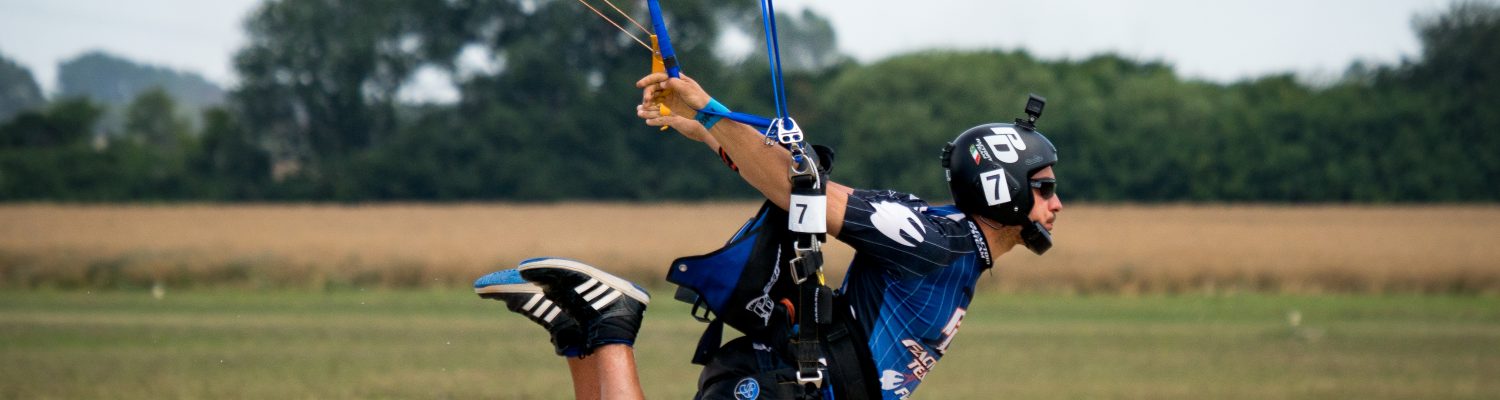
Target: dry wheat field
1100,248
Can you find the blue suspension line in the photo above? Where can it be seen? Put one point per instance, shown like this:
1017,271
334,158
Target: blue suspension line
773,53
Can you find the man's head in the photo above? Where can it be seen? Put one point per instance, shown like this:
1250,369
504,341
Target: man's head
1003,172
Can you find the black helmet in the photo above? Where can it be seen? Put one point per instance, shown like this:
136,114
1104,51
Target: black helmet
989,170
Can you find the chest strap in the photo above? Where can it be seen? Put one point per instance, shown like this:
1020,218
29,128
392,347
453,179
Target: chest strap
851,368
807,221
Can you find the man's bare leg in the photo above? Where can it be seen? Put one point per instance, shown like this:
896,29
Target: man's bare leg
609,373
616,371
585,373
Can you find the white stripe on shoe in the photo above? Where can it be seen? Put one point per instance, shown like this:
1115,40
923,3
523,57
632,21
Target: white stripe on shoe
596,276
552,314
595,294
586,285
613,294
535,298
542,310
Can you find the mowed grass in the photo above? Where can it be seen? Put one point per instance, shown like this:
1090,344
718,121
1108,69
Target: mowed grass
450,344
1129,249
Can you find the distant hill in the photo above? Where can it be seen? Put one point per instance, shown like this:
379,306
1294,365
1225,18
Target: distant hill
114,81
18,89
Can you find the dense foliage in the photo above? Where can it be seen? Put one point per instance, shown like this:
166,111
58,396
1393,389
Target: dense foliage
548,113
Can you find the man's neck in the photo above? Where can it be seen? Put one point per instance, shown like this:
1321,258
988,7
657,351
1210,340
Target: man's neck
1000,238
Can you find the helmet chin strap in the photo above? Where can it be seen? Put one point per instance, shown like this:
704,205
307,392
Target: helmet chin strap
1036,237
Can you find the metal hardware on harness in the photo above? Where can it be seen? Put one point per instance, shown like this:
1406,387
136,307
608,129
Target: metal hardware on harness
786,130
815,377
807,262
767,140
804,166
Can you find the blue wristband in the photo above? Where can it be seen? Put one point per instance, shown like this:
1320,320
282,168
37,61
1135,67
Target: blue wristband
708,120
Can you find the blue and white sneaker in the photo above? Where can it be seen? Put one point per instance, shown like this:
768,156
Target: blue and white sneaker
609,308
526,298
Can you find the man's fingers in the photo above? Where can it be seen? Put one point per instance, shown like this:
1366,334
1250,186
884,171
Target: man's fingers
667,120
650,80
650,94
647,111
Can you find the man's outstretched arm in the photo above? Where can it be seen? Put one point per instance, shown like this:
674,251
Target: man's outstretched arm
765,167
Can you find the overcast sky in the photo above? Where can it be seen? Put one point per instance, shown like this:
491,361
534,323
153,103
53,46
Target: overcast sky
1218,40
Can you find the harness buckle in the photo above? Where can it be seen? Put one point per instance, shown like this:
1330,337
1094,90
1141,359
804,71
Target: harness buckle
797,264
803,265
803,167
811,376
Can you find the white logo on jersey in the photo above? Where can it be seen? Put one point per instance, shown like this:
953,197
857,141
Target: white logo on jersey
893,219
890,380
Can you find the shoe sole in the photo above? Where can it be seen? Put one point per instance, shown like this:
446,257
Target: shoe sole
614,282
508,288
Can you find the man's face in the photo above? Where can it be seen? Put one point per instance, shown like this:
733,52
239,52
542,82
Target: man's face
1045,209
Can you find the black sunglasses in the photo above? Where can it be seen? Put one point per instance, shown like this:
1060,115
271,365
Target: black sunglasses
1047,187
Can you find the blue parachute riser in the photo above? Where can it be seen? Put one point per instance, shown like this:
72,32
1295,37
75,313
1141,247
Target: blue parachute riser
773,54
659,27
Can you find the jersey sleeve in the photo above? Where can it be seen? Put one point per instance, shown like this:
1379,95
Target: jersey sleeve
895,231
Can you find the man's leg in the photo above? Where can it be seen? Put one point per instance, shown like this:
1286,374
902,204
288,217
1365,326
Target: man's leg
616,370
568,338
608,373
609,309
585,371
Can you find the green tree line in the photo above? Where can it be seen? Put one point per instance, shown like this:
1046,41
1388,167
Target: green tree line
319,114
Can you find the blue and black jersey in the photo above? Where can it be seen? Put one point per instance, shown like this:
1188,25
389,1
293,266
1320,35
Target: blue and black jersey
910,282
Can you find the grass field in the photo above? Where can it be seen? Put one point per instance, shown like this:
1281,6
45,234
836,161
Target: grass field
449,344
1100,248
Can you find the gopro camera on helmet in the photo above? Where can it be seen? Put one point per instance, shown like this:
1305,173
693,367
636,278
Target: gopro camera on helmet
989,170
1034,106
